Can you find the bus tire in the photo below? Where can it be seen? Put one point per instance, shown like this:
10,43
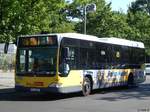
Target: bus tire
86,86
131,81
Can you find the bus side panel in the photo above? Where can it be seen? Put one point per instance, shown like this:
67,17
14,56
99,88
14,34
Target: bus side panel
139,76
72,82
116,77
108,78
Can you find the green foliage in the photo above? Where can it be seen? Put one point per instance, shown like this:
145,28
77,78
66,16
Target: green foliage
96,21
118,26
139,21
20,17
105,23
140,24
140,5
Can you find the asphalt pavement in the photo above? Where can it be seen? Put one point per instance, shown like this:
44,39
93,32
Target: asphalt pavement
106,100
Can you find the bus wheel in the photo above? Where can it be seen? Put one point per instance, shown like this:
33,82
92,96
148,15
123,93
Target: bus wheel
86,86
131,82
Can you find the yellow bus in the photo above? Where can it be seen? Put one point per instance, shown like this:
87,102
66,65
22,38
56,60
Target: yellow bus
72,62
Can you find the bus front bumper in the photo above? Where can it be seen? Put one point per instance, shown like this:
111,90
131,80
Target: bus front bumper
49,89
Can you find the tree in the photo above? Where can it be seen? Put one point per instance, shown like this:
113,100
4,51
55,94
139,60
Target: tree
118,26
139,21
104,22
95,20
140,24
20,17
140,5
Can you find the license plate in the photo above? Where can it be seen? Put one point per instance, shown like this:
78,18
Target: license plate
34,90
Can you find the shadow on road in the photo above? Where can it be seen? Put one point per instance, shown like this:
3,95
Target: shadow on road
140,93
11,95
7,90
119,93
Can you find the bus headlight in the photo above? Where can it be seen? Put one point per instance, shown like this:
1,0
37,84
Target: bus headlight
57,85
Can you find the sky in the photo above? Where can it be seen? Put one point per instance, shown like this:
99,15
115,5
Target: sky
120,5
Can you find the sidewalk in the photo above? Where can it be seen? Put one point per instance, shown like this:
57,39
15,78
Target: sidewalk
7,80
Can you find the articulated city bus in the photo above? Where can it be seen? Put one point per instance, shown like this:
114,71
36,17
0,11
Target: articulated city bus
71,62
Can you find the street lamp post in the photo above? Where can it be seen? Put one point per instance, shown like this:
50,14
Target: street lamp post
85,20
148,6
88,8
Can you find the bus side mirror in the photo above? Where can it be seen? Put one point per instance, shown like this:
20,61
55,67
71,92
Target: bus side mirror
66,52
64,69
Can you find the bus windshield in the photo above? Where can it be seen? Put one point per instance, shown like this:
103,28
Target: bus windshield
37,60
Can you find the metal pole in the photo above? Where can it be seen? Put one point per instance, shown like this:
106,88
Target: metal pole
85,20
88,8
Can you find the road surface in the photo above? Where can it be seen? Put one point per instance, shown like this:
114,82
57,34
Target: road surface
121,99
